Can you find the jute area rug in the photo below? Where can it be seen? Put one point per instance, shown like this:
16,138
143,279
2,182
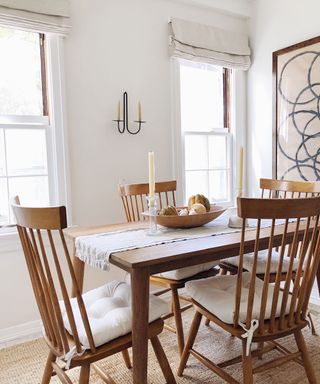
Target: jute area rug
23,364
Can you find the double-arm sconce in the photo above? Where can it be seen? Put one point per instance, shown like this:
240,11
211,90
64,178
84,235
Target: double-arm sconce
123,125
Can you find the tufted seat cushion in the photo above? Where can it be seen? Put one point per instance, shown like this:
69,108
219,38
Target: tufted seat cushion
262,262
183,273
109,312
217,295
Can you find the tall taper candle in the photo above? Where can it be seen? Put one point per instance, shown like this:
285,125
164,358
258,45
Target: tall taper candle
151,175
139,111
118,110
241,171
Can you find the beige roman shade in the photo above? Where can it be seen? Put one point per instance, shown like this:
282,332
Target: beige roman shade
198,42
47,16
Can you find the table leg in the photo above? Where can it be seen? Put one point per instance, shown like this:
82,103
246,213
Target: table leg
78,267
140,314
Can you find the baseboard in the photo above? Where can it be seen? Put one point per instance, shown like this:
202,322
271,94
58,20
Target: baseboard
20,333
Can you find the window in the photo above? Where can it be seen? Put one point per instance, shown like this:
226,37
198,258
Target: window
27,137
205,131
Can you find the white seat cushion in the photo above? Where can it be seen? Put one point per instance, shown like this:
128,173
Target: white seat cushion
217,295
262,261
183,273
109,312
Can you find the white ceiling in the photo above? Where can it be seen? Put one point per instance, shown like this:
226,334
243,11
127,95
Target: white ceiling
241,8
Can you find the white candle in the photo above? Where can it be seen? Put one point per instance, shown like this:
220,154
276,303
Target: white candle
151,174
118,110
241,170
139,111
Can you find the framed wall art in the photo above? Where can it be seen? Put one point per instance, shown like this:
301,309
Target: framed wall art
296,112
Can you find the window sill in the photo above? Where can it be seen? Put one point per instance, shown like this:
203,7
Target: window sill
8,230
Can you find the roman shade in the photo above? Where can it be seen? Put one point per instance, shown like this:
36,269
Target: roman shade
46,16
198,42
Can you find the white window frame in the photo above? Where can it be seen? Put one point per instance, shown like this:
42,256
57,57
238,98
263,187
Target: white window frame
54,127
215,132
178,138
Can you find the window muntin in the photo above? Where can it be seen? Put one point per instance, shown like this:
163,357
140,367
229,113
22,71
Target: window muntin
205,130
24,124
207,171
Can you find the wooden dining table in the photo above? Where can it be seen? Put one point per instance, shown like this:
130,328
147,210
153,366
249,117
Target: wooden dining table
143,262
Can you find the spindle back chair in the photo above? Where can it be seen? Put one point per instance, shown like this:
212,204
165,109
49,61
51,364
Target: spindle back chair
272,188
134,197
50,267
281,189
277,309
134,202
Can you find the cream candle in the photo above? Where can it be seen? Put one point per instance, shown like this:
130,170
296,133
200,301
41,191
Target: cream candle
118,110
151,175
241,170
139,111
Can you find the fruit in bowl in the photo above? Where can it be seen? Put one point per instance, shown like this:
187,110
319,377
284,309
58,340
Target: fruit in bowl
197,209
199,199
189,218
199,212
183,212
168,211
197,205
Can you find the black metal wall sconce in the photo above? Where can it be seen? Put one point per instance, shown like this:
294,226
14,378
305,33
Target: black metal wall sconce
123,125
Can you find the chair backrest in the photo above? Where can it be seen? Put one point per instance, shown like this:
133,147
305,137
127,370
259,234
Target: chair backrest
134,197
284,303
289,188
45,249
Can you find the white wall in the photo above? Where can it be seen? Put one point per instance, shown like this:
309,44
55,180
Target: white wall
274,25
114,46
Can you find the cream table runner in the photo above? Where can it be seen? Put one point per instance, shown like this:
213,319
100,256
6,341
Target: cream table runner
96,249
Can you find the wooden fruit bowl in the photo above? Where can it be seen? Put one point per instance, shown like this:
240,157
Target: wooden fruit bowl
190,221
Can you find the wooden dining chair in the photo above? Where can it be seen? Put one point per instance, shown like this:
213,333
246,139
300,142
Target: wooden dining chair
134,202
281,189
255,310
272,188
82,330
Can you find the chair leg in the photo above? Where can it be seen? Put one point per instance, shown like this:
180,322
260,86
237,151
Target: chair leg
260,347
222,271
189,343
126,358
84,374
207,323
311,323
246,365
305,357
47,374
178,319
163,361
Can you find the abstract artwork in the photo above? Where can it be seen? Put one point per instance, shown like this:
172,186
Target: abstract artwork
296,78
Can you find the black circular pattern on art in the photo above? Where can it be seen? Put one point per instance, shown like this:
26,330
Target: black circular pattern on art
303,118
